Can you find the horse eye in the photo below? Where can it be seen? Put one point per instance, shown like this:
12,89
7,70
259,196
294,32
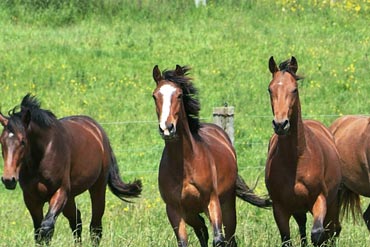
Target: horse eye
295,90
269,90
23,143
179,97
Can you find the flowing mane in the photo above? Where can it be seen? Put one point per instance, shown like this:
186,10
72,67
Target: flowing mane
285,66
43,118
190,96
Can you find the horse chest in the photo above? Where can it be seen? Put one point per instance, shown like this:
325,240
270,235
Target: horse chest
288,183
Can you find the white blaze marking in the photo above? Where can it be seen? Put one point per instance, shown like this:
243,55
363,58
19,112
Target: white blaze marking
166,91
10,135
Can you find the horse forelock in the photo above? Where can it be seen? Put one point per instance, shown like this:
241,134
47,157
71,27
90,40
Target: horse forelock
285,67
190,93
15,124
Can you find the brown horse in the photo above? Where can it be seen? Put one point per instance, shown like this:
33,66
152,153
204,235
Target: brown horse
303,166
198,169
352,137
56,160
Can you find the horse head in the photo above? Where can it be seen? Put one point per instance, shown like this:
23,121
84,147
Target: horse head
283,90
12,141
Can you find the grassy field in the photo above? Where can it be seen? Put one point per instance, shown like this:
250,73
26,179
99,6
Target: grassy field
96,58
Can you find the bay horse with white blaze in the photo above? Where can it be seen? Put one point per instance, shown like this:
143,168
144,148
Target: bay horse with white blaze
303,166
198,169
352,137
56,160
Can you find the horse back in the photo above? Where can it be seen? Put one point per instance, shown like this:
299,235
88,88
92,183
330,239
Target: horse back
221,154
89,151
352,138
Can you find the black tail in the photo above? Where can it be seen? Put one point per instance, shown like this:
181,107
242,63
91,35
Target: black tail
119,188
247,194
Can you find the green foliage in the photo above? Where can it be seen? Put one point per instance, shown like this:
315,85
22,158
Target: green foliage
96,58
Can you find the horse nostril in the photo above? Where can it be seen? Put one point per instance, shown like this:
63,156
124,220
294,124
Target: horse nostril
170,127
160,129
286,125
274,124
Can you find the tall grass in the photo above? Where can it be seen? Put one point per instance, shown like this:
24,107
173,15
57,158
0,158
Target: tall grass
96,58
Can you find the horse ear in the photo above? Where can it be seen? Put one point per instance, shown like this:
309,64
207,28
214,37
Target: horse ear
3,120
293,65
157,76
26,117
179,70
272,65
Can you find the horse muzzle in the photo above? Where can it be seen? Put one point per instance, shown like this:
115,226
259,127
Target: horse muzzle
281,128
10,183
168,133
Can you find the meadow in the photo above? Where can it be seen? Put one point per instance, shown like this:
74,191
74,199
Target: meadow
96,58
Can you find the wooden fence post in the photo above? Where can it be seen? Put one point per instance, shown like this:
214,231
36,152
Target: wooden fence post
224,117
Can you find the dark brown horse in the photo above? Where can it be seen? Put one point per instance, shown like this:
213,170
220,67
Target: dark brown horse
56,160
198,169
303,166
352,137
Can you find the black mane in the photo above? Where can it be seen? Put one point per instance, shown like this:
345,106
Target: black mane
43,118
190,93
285,67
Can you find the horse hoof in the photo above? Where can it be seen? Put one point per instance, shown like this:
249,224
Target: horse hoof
219,241
318,236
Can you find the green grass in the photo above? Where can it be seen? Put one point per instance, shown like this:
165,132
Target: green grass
96,58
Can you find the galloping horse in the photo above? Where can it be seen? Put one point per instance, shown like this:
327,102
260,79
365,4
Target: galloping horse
303,166
352,137
56,160
198,169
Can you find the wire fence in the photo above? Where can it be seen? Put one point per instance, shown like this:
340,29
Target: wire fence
159,147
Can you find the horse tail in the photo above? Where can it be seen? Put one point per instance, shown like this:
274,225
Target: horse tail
350,204
119,188
247,194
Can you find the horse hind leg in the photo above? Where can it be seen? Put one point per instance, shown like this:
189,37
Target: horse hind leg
366,217
97,195
229,221
73,215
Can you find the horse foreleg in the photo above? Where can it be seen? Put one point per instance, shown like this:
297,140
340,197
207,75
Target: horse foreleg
56,205
178,226
282,222
319,209
35,209
301,220
74,218
215,216
197,222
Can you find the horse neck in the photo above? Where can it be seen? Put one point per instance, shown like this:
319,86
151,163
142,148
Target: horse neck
185,142
295,141
38,140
